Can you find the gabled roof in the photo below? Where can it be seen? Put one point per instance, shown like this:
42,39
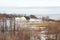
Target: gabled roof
27,18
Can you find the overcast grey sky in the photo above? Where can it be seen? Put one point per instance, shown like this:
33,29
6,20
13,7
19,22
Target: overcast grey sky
36,7
43,6
29,3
